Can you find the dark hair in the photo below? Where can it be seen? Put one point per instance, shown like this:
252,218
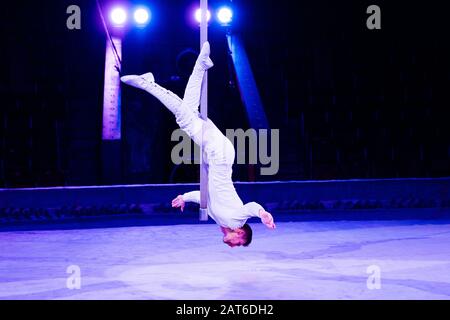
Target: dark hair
248,234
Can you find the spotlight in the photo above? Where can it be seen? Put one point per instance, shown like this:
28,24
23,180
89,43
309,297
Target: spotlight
225,15
118,16
198,15
142,16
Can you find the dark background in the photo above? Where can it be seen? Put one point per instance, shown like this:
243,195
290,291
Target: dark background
349,102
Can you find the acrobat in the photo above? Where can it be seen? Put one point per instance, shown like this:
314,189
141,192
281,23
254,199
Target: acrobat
223,203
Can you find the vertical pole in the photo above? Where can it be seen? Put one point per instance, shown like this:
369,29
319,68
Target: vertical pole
204,114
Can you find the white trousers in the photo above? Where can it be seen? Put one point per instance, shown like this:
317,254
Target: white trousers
218,149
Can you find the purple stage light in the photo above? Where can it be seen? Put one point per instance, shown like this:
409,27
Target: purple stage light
198,15
118,16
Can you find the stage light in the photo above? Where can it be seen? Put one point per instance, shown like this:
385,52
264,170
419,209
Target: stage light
225,15
118,16
142,16
198,15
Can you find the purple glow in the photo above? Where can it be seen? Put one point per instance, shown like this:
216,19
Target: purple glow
118,16
198,15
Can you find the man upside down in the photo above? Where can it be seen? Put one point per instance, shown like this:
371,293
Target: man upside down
224,205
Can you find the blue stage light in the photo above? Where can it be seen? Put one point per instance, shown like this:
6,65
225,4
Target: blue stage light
142,16
225,15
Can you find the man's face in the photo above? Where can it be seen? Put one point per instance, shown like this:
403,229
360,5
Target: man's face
233,239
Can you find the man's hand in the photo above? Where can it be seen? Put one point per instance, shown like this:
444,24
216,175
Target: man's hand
267,219
178,202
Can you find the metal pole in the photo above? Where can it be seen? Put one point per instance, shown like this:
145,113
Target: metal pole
204,114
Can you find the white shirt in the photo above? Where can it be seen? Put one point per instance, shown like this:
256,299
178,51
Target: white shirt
224,205
226,209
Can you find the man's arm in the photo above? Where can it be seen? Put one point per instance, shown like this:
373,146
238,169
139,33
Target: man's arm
254,209
193,196
180,201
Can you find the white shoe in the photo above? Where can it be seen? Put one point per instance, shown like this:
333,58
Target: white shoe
203,60
140,82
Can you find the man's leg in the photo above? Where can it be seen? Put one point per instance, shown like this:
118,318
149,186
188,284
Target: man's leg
186,110
147,82
191,99
194,87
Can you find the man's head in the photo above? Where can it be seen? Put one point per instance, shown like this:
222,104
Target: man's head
238,237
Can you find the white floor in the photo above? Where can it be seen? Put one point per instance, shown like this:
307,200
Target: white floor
299,260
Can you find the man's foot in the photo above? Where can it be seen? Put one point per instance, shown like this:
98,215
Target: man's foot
204,61
140,82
